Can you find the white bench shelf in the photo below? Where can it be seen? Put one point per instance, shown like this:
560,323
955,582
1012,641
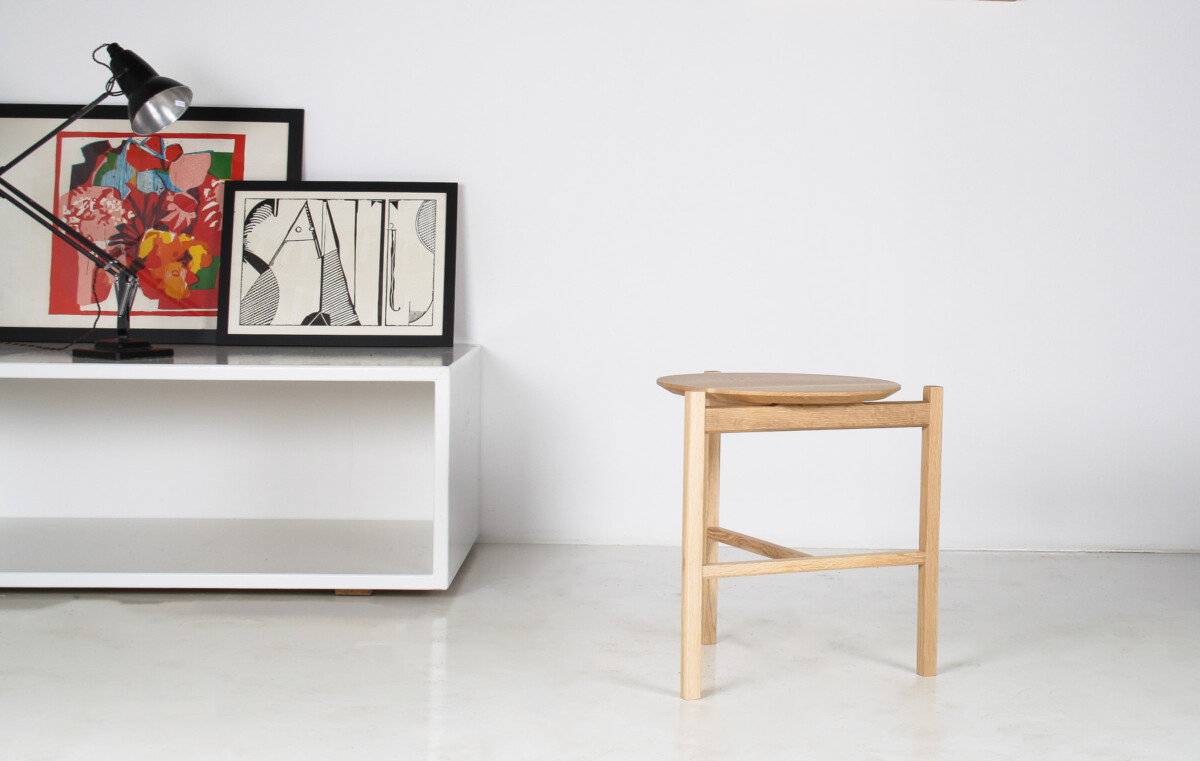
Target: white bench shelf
239,468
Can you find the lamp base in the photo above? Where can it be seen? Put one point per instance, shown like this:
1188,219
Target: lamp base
116,349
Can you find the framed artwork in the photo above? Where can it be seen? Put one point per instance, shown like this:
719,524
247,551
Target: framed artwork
154,202
338,264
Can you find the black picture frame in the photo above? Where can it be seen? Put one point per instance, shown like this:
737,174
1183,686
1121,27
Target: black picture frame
390,284
273,140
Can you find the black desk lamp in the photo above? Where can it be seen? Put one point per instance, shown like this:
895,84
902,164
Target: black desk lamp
154,103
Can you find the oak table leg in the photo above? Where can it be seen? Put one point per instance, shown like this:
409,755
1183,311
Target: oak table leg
927,573
694,484
712,547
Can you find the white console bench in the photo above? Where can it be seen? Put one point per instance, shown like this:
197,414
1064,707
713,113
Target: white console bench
239,468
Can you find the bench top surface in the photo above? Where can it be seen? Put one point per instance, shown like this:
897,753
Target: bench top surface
781,388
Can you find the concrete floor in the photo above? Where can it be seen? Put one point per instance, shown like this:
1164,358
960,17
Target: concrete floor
556,652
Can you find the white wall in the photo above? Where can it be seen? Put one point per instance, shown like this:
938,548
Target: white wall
996,197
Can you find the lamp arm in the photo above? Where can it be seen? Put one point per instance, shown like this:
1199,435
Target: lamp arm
124,278
45,217
62,230
78,115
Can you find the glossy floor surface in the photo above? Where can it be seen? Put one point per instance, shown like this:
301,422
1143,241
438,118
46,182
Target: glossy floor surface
553,652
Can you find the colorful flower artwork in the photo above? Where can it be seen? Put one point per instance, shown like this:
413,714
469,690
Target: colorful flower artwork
155,204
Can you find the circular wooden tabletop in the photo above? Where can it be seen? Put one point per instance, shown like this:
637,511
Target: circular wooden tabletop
781,388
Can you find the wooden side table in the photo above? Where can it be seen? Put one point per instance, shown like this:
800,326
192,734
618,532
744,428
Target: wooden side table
717,403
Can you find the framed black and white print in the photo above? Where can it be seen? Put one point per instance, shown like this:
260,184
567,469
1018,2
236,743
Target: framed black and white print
338,264
153,202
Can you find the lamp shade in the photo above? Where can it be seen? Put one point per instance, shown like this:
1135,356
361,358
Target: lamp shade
155,101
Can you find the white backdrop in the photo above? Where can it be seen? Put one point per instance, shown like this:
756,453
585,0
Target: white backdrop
1000,198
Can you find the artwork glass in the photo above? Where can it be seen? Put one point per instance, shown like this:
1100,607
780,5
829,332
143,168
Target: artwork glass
153,202
339,264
